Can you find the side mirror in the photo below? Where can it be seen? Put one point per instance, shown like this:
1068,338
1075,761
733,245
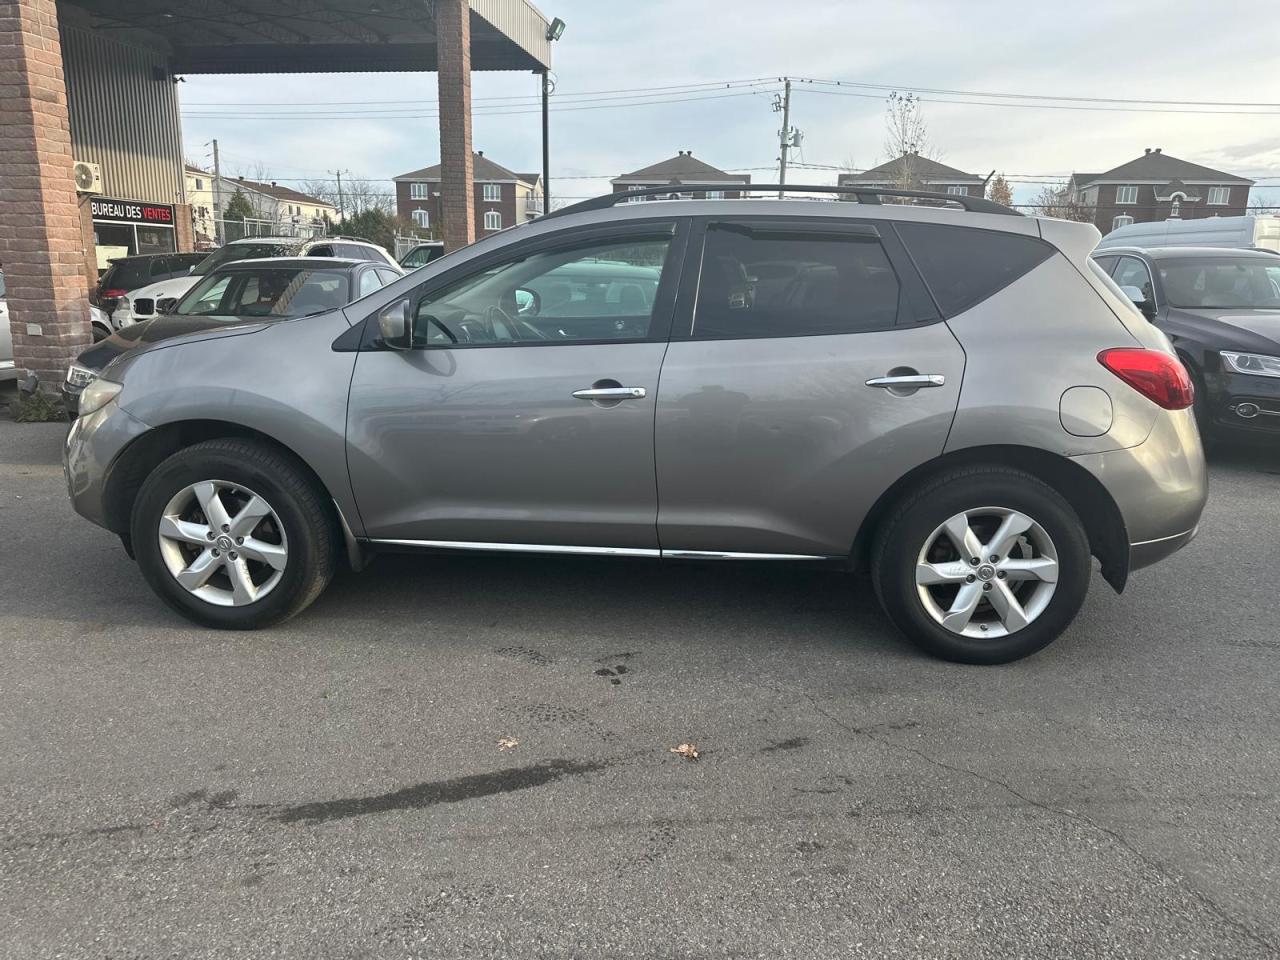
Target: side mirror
1140,301
166,304
528,303
395,323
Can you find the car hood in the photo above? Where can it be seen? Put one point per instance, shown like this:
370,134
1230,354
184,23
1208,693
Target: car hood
164,328
1249,330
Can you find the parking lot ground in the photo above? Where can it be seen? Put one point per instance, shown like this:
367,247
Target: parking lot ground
334,787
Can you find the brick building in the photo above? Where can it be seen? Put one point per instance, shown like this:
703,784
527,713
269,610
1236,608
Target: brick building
683,168
1156,186
502,198
914,172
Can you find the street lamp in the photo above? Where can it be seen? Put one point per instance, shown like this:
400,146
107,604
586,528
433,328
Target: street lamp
555,29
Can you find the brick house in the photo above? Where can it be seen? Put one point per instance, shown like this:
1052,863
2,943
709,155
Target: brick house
914,172
502,198
1155,187
683,168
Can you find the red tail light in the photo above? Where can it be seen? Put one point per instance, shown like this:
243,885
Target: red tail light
1160,378
113,292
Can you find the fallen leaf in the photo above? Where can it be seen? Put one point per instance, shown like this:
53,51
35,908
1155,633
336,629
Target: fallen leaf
508,743
687,750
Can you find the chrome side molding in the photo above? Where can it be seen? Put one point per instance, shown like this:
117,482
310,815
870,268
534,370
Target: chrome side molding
590,551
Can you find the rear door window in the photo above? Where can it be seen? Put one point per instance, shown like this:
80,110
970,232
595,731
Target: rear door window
369,282
962,266
127,275
774,281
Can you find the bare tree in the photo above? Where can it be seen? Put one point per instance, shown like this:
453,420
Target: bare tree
999,190
357,196
906,138
1060,201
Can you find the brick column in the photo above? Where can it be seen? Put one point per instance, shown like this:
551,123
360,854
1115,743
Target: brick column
184,228
41,239
453,46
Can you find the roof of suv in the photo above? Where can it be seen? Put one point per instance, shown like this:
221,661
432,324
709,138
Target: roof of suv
294,263
1176,253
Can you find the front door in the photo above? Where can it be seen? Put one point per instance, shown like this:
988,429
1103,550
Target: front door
806,381
523,415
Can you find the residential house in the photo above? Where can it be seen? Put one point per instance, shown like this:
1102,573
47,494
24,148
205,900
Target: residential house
282,209
1157,186
676,171
503,198
200,199
914,172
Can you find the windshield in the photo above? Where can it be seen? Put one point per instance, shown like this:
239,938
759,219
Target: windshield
240,251
274,292
1221,283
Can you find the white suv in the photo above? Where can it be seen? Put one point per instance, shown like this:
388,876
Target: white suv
141,304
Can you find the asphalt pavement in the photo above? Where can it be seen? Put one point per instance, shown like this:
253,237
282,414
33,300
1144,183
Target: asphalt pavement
339,787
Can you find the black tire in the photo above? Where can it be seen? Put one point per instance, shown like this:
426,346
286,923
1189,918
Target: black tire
909,525
100,333
302,508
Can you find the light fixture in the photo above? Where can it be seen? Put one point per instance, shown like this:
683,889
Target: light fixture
555,29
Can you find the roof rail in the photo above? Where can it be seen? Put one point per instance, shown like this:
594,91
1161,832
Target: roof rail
870,195
342,236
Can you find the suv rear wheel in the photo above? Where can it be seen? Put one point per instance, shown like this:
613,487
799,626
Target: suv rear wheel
232,534
982,565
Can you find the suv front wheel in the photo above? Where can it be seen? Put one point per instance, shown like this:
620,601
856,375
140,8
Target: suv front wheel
233,534
982,565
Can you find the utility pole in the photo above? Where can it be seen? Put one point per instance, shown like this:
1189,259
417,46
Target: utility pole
217,195
784,137
342,207
546,149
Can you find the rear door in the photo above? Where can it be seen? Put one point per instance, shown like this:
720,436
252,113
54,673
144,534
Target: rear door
523,416
787,404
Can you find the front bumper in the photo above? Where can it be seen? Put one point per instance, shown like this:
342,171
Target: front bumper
1160,486
1243,403
89,453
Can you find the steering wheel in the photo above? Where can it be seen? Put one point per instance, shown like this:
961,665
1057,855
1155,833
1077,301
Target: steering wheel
494,312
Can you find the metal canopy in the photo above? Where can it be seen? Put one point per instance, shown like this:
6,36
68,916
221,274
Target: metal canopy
320,36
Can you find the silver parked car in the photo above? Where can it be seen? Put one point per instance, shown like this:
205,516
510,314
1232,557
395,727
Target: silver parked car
957,400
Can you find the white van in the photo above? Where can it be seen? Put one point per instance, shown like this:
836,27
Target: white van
1260,232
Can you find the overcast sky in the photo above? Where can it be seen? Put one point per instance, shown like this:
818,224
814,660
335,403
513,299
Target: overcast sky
1138,49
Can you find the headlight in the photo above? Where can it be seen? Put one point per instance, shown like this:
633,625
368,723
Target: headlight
1258,364
78,376
97,394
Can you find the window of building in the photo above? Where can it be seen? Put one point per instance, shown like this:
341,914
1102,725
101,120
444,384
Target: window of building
1127,194
422,218
780,284
715,194
492,191
600,290
633,187
1175,207
492,220
1121,221
417,191
1219,196
199,184
955,190
963,265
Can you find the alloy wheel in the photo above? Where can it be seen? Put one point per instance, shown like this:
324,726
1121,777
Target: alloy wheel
987,573
223,543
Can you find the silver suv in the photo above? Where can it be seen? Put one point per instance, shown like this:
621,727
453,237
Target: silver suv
957,400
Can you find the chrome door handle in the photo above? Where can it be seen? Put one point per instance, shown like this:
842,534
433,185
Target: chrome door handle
913,381
610,393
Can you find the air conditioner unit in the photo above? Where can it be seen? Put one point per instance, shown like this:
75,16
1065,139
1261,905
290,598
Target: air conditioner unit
88,177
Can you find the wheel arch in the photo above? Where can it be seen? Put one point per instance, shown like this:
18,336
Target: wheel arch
139,458
1103,522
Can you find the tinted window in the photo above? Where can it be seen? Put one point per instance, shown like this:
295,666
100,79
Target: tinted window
1107,263
963,265
161,267
761,283
598,291
277,292
352,250
421,256
324,250
1134,273
243,251
127,275
387,276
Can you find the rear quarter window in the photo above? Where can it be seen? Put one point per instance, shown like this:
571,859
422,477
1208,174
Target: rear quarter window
962,266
